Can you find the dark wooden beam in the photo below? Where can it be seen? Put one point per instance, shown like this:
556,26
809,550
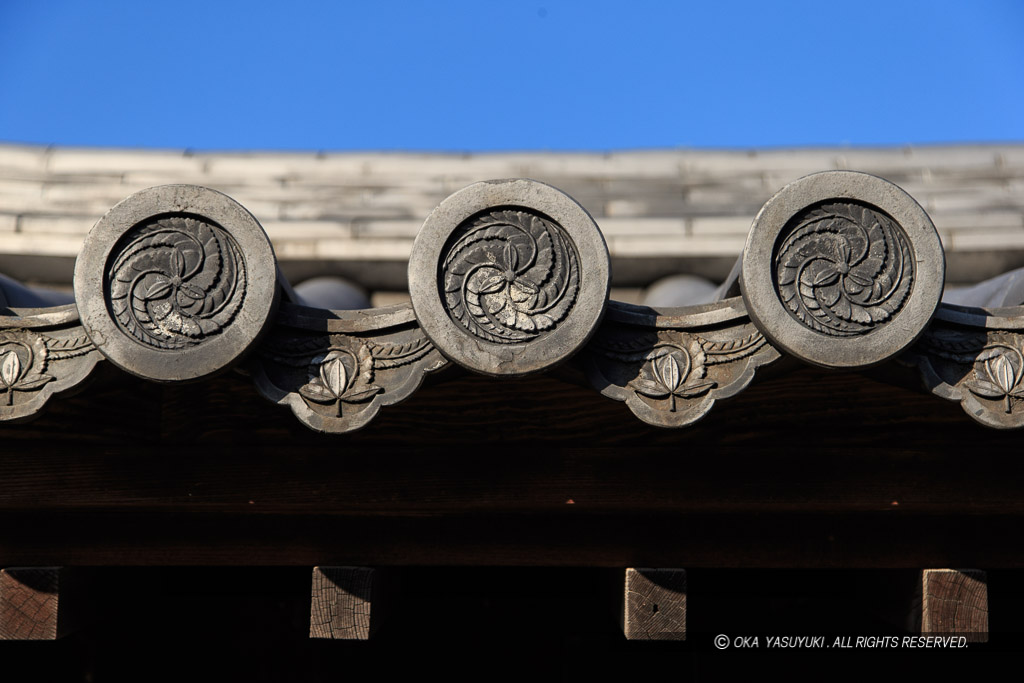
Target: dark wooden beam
955,602
345,603
452,409
560,476
654,604
566,539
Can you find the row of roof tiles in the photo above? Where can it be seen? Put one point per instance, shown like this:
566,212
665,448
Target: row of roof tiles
685,204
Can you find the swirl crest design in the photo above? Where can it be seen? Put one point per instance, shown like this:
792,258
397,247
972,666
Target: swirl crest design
176,281
509,276
844,269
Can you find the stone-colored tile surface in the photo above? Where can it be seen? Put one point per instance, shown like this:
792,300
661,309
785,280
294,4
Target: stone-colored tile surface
363,249
684,204
626,227
954,157
71,160
634,247
295,249
282,230
385,298
23,158
977,220
712,226
280,165
988,240
32,224
16,187
393,228
42,244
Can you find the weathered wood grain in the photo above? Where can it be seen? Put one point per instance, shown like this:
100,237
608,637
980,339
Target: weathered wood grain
344,603
567,539
815,408
955,602
654,604
804,469
30,603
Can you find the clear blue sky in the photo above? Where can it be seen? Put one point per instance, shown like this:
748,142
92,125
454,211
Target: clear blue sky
547,74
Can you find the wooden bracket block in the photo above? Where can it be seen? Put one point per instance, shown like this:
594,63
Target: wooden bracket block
955,601
32,606
345,603
654,604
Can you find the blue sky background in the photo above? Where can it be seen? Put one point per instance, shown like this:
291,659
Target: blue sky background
548,74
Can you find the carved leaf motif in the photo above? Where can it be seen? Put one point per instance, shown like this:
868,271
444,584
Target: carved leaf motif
990,352
30,383
844,269
23,359
177,263
364,395
731,349
984,388
388,355
334,376
190,291
344,375
317,393
697,389
826,276
997,371
509,276
158,290
493,284
651,389
511,257
667,371
177,281
68,347
522,289
676,373
10,369
1002,372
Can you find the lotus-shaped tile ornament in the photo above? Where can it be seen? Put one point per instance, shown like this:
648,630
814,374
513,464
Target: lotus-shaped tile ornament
670,367
22,362
343,375
997,374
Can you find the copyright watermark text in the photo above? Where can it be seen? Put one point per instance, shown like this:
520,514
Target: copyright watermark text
725,642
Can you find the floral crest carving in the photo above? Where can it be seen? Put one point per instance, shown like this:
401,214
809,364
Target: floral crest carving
343,375
175,282
982,369
844,269
671,378
997,374
673,371
34,365
23,356
509,276
338,382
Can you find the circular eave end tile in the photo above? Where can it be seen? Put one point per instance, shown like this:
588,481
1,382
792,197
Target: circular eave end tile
176,282
509,277
842,269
